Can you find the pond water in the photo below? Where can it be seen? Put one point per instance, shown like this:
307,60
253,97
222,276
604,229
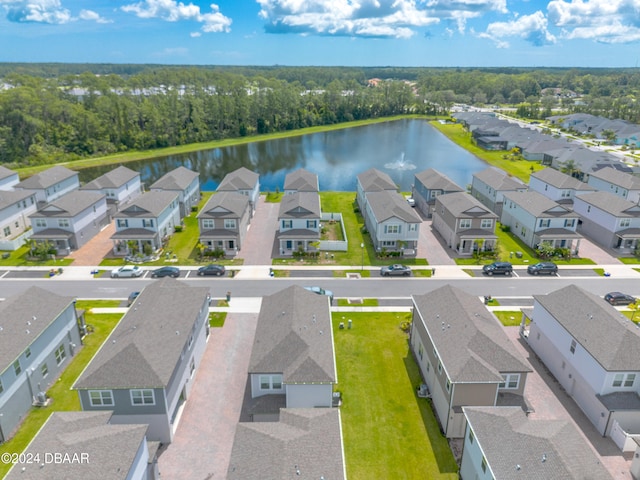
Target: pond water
400,148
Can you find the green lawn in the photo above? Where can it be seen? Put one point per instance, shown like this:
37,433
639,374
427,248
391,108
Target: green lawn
629,260
343,273
509,319
217,319
366,302
388,431
18,258
63,398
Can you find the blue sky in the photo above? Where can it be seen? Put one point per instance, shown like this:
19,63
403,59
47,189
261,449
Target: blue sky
466,33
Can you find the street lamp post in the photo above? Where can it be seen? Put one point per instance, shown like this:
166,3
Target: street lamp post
362,262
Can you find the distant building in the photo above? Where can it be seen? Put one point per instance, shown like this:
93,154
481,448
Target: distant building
301,180
8,178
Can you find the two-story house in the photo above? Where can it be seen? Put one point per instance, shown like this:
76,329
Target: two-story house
292,361
465,224
15,208
464,356
185,183
301,180
223,222
392,224
50,184
298,222
609,220
70,221
144,370
39,333
427,186
94,448
558,186
490,185
535,219
120,185
372,180
614,181
8,178
593,352
242,181
145,223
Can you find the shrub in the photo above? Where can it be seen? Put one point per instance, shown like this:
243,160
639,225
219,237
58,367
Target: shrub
178,228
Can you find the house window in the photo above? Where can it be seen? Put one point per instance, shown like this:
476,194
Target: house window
207,223
486,223
27,352
190,342
63,222
434,193
510,381
147,223
123,223
631,378
566,193
286,223
144,396
192,367
413,227
17,368
420,350
40,222
100,398
448,385
484,465
465,223
428,366
545,222
588,208
625,222
60,354
1,386
230,223
44,370
393,229
270,382
471,436
388,243
7,231
572,348
617,380
439,367
312,223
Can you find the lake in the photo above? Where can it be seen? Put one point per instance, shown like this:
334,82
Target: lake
400,148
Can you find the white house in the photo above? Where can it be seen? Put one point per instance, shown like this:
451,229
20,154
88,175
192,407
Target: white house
301,180
15,208
51,183
372,180
392,224
8,178
298,222
614,181
242,181
558,186
490,185
427,186
120,185
184,182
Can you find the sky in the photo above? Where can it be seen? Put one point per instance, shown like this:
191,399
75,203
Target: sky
423,33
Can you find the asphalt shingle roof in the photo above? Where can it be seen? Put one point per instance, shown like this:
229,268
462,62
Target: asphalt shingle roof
434,180
387,204
538,205
301,180
462,204
225,205
47,178
113,179
300,205
177,179
240,179
9,198
611,203
6,173
616,177
373,180
70,204
558,179
149,204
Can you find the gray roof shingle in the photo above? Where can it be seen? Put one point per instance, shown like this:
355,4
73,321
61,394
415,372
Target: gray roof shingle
462,204
616,177
148,204
301,180
538,205
47,178
114,179
177,179
225,205
561,180
300,205
499,180
240,179
611,203
434,180
373,180
69,205
6,173
9,198
387,204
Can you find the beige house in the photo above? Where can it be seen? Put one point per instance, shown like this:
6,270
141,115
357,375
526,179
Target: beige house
223,221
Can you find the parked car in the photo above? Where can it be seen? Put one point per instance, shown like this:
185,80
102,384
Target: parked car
498,268
543,268
619,298
166,272
395,269
321,291
411,201
212,269
132,298
127,271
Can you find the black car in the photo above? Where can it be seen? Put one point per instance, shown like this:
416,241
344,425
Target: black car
212,269
498,268
166,272
543,268
619,298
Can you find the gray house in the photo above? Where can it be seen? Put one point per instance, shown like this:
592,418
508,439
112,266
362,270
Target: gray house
614,181
95,449
464,356
292,361
373,180
8,178
223,222
301,180
490,185
242,181
120,185
298,222
15,208
558,186
427,186
144,370
392,224
39,334
51,183
184,182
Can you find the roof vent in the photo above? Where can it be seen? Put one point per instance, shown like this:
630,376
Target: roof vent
518,467
27,332
544,457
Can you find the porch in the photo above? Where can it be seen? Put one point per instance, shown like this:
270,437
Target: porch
135,240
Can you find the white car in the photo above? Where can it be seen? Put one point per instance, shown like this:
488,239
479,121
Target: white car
127,271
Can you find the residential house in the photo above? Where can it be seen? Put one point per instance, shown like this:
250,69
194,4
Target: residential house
464,356
558,186
299,222
580,162
536,448
392,224
120,185
70,221
614,181
535,219
85,445
39,333
223,222
609,220
145,224
305,440
465,224
593,352
184,182
8,178
144,371
373,180
15,208
51,183
490,185
427,186
242,181
301,180
292,361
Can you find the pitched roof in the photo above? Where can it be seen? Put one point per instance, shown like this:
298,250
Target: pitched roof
538,205
294,336
305,442
70,204
177,179
148,204
498,180
8,198
300,205
390,204
225,205
611,203
146,345
558,179
614,342
23,317
462,204
111,449
469,339
301,180
434,180
47,178
538,449
616,177
373,180
6,173
240,179
113,179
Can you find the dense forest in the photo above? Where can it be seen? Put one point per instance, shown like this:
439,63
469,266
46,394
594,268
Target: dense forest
55,112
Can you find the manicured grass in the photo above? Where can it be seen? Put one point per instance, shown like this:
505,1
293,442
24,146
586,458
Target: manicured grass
366,302
599,271
89,304
18,258
343,273
388,431
509,319
217,319
629,260
422,272
273,197
62,397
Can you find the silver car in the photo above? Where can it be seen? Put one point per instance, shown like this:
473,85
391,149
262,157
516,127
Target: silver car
127,271
395,270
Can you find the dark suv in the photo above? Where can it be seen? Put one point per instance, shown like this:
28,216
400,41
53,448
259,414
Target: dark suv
498,268
543,268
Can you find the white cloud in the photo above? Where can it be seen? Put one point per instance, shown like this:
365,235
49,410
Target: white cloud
92,16
172,11
36,11
532,28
